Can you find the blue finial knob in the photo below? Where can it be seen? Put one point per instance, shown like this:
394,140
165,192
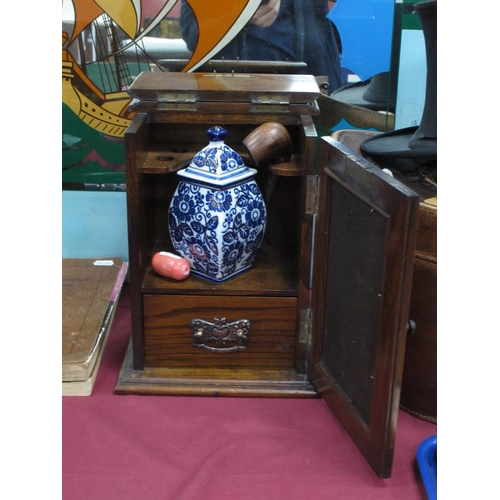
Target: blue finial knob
216,133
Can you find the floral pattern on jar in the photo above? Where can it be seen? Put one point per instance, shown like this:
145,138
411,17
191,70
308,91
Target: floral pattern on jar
217,231
217,216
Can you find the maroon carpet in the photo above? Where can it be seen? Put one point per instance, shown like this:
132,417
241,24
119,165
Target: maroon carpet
160,447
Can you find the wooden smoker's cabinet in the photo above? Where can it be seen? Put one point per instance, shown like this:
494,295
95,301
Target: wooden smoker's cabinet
327,297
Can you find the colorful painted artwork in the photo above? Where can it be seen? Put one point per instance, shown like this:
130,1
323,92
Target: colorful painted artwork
105,45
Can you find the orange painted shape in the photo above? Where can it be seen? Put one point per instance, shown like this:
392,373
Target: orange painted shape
215,20
85,12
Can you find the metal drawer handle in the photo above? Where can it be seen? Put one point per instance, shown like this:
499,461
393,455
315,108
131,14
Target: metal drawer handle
220,336
411,327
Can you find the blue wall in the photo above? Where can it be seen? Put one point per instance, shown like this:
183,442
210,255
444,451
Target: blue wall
94,224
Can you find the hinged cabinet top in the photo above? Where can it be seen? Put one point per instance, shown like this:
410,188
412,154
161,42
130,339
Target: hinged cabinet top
226,88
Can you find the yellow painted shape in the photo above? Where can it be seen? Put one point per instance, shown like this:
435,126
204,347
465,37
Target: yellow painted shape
118,104
125,13
69,96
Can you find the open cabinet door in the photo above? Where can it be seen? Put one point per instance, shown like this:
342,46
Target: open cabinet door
363,258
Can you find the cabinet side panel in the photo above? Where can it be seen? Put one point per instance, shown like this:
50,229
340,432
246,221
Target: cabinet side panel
309,148
136,150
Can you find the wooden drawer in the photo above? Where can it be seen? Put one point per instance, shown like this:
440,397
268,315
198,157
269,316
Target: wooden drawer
181,331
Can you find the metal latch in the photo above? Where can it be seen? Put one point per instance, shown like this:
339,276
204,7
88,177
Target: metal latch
312,194
305,326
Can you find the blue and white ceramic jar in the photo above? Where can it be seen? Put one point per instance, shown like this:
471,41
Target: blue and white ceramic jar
217,216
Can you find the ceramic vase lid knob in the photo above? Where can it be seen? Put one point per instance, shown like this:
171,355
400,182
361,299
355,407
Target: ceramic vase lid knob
216,134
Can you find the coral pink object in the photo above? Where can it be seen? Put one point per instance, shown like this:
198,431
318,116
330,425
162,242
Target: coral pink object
170,265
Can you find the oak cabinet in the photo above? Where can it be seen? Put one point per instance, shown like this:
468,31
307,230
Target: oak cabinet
323,311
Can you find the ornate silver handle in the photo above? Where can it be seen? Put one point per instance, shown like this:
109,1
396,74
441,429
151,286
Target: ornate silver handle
220,336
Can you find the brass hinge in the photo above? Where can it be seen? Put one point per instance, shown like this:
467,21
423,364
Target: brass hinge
312,194
305,326
282,99
176,101
173,106
176,97
270,103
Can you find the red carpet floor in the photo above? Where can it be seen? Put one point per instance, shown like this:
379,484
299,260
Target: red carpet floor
160,447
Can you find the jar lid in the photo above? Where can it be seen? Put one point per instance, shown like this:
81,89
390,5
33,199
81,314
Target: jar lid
217,164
